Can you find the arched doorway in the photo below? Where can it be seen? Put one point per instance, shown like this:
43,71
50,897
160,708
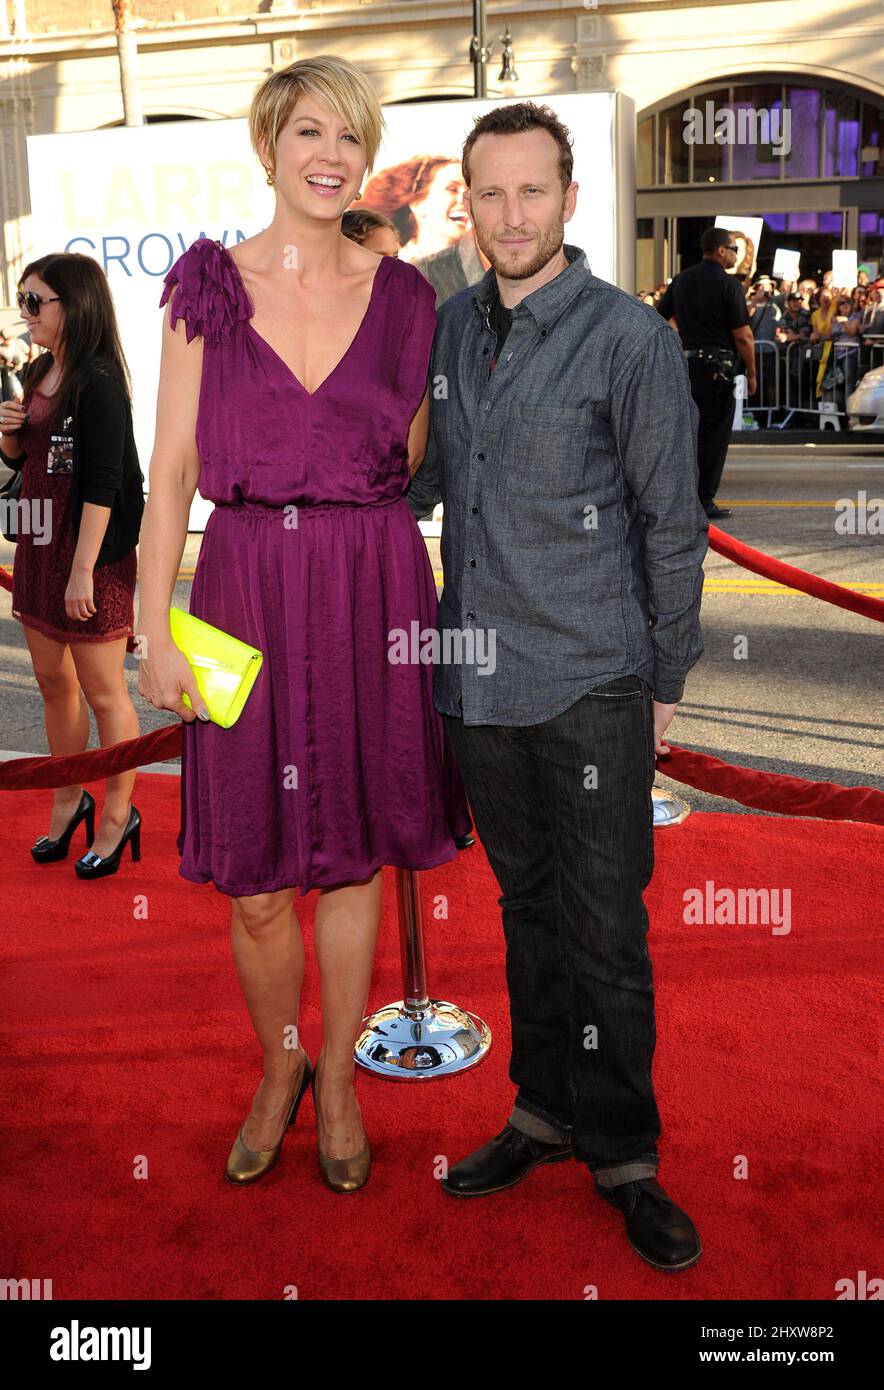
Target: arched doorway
820,190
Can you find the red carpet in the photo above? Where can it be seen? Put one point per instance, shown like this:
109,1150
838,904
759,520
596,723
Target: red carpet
126,1039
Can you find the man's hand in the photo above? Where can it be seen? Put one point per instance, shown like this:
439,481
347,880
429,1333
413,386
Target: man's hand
663,716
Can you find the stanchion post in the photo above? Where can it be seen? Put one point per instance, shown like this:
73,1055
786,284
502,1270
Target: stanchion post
417,1037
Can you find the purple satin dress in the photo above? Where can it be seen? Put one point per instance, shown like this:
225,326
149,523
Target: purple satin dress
339,762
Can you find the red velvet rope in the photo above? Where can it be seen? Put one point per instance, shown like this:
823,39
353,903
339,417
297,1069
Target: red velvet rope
771,791
767,791
778,570
94,765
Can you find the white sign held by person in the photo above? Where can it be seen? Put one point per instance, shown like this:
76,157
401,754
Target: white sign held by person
787,264
746,232
844,269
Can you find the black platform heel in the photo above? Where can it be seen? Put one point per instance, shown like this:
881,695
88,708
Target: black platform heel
93,865
45,851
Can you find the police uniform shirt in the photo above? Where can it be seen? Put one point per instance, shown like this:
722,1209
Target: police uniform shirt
707,304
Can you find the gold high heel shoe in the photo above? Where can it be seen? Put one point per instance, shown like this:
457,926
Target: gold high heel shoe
247,1165
341,1174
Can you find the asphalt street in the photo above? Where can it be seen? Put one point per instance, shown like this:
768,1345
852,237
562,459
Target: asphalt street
805,699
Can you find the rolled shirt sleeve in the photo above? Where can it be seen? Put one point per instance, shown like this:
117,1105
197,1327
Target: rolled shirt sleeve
654,419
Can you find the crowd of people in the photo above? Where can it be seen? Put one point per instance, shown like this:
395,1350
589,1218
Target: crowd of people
842,327
15,354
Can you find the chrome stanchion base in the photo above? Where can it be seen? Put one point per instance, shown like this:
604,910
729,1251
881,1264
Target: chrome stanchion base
669,809
420,1043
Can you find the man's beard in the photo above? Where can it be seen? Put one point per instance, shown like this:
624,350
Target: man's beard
502,261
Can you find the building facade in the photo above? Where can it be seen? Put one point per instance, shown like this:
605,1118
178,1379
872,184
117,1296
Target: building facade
820,60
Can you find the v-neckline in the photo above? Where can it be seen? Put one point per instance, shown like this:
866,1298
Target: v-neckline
339,364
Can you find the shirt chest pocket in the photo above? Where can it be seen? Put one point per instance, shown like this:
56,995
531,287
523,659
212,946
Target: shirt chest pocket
544,450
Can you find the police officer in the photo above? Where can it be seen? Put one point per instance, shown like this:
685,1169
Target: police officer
710,314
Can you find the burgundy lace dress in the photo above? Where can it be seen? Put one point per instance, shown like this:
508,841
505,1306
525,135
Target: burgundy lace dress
41,571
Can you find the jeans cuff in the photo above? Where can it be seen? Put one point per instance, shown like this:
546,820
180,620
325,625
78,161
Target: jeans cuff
645,1167
531,1123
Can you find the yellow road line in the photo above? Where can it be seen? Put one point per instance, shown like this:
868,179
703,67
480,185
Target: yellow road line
771,502
861,586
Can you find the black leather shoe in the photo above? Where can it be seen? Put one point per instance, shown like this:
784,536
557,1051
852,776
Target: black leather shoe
656,1228
715,512
46,851
502,1162
93,865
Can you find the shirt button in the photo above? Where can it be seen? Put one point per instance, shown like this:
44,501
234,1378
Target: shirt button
480,457
473,564
470,617
474,510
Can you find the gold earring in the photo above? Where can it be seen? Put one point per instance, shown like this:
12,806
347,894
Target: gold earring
270,178
358,195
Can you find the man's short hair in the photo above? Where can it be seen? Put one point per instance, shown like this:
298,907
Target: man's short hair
511,119
712,238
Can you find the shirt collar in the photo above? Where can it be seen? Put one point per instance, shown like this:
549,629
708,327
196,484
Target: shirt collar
546,303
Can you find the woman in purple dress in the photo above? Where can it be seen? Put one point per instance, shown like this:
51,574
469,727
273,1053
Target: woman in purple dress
293,392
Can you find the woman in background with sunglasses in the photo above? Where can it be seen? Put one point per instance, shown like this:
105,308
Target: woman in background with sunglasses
81,504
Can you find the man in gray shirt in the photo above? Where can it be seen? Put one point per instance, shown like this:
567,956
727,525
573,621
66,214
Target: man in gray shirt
563,446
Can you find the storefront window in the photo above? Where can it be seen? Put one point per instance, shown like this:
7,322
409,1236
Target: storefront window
711,159
871,240
644,153
672,154
760,130
872,153
840,135
792,132
805,109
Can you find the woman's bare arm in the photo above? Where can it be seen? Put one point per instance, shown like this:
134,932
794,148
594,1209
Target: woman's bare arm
418,435
174,472
166,674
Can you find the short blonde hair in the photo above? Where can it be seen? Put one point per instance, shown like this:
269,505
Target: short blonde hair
336,81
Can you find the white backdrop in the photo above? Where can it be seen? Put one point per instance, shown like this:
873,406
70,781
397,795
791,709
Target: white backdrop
136,197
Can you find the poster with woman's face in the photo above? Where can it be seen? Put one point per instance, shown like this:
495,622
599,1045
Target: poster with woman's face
746,232
418,183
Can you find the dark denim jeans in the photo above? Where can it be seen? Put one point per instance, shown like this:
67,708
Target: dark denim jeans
572,860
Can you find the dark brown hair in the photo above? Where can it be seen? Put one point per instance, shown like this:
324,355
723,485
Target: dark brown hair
89,327
359,223
512,119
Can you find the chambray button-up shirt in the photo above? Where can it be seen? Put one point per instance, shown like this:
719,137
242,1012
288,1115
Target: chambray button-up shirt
573,537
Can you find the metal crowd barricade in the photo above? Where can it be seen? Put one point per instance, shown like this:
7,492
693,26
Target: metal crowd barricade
766,399
872,354
842,372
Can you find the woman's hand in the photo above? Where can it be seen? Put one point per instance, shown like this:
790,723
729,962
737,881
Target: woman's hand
78,600
12,416
164,673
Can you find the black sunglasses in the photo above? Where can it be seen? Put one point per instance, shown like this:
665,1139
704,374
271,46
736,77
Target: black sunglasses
27,299
733,248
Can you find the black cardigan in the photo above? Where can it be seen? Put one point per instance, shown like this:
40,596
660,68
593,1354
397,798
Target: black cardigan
106,468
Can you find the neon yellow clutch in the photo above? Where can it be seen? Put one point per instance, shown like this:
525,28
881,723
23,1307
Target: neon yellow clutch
225,668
